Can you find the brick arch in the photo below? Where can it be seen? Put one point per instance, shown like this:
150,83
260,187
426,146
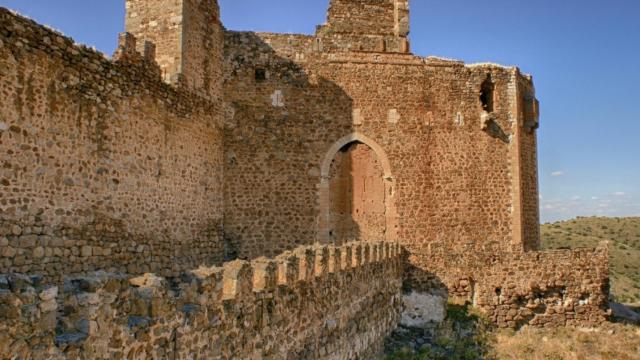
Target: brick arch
323,224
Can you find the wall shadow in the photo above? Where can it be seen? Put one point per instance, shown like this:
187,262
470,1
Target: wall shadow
464,333
283,117
494,129
343,227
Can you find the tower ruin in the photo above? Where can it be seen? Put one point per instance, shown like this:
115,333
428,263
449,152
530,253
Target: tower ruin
235,194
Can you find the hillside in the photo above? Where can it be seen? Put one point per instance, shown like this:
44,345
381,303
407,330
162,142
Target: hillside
624,235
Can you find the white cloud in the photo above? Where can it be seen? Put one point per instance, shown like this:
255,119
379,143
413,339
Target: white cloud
557,173
614,204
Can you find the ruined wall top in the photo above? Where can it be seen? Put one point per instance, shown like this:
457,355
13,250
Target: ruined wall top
188,39
368,25
369,17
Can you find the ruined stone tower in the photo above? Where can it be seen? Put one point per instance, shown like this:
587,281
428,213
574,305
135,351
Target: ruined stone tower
319,163
368,25
188,39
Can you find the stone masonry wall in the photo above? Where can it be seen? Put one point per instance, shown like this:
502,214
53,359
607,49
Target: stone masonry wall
159,22
528,120
188,39
551,288
103,166
106,166
357,195
463,178
366,25
320,302
451,181
202,38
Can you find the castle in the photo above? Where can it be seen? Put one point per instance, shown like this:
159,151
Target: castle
217,194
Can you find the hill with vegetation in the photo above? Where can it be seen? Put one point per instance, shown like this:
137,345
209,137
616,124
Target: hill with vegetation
624,237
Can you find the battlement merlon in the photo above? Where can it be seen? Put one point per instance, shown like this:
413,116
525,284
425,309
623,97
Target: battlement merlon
188,39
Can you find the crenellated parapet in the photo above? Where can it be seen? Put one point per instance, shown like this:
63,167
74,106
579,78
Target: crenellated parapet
302,302
89,73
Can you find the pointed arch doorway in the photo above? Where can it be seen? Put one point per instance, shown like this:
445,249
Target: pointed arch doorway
356,193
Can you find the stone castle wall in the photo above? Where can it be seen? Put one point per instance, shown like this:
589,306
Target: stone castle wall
202,38
320,302
366,25
188,37
449,180
104,166
550,288
159,22
528,161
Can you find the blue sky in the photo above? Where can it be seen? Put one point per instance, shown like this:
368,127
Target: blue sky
584,55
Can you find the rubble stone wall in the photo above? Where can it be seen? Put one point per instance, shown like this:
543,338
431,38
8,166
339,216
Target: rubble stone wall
187,35
161,23
528,120
202,39
320,302
103,165
450,180
550,288
366,25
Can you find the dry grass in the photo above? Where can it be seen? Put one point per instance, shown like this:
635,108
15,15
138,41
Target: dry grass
612,342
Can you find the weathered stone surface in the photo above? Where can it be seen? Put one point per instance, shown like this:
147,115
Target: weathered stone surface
28,241
304,319
48,306
551,288
147,280
100,154
38,252
195,144
422,309
49,293
9,252
86,251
